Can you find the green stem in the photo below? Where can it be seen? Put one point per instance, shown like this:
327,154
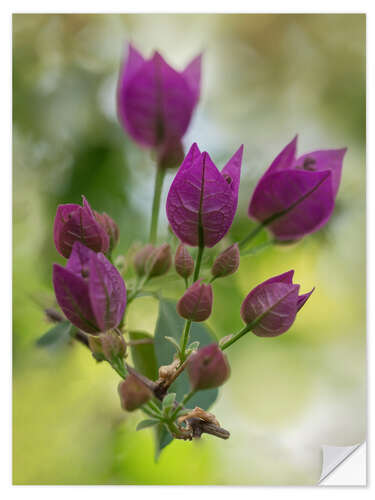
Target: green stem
184,339
149,412
119,367
159,179
198,263
238,335
185,399
251,235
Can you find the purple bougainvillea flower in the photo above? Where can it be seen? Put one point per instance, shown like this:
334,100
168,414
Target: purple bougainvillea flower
272,306
202,201
296,196
90,290
79,223
155,102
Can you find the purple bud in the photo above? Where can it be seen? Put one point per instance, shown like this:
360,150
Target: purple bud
298,192
227,262
196,303
155,103
202,201
90,290
208,368
183,261
76,223
140,259
133,393
159,262
273,305
110,227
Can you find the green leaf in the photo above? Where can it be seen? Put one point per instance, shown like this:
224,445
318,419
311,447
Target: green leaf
162,439
58,336
169,400
171,324
148,422
143,355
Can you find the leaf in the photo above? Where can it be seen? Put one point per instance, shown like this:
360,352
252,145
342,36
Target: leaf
57,337
162,439
171,324
148,422
143,355
169,400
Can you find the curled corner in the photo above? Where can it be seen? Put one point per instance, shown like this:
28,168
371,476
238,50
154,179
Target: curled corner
333,456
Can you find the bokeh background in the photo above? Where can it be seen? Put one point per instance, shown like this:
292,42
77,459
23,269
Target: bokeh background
265,78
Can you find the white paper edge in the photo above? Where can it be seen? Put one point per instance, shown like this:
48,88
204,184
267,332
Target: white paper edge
343,465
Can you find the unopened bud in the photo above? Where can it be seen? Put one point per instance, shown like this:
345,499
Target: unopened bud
133,393
159,261
140,259
227,262
208,368
196,303
107,345
110,227
183,261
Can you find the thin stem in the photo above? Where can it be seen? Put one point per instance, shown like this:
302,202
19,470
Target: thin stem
184,339
238,335
198,263
251,235
186,283
180,406
149,412
159,179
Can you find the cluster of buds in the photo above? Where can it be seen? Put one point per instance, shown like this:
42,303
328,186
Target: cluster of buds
294,197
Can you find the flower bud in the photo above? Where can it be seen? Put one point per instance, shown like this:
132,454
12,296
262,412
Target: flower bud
78,223
208,368
140,259
133,393
227,262
110,227
196,303
183,261
109,345
159,261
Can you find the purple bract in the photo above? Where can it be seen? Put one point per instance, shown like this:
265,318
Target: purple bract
79,223
202,201
155,102
90,290
272,306
208,368
296,196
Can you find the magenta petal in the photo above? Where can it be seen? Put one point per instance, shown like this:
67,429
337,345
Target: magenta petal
107,292
302,299
72,296
78,262
156,103
200,197
192,74
232,172
330,159
275,303
61,218
284,159
304,200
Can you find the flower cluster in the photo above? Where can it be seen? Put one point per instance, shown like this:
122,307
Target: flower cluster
294,197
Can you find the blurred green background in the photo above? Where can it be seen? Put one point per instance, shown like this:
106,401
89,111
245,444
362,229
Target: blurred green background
265,78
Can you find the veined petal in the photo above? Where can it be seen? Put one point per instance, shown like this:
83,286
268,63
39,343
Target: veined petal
72,296
276,306
192,74
302,299
200,202
107,292
232,172
285,159
303,201
330,159
78,262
